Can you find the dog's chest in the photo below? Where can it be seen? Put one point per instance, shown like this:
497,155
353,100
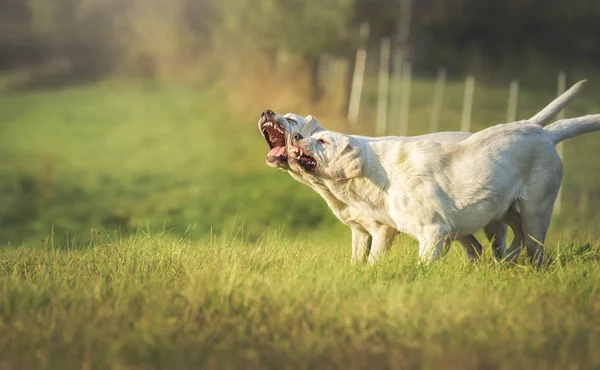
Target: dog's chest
363,207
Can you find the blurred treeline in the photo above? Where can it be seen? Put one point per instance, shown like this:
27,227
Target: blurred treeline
82,39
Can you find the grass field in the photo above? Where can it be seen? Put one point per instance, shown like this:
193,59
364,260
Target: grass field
155,302
142,229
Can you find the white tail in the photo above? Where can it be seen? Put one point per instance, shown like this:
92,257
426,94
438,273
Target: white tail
570,127
558,104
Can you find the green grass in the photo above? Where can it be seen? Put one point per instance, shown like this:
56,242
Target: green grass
124,156
202,256
127,155
157,302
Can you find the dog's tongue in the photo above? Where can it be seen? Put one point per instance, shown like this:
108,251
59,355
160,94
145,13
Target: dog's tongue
277,151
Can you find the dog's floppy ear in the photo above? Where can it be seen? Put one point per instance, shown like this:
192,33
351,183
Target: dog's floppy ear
348,163
312,125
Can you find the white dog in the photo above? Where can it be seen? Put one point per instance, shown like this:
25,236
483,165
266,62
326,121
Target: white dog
418,185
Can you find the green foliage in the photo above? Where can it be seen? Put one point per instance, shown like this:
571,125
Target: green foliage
302,28
158,38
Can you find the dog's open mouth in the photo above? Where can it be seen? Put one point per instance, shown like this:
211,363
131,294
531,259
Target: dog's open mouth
275,137
302,158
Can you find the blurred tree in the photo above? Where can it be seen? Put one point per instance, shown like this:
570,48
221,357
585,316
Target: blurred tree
17,44
80,31
490,35
306,29
155,39
141,37
151,37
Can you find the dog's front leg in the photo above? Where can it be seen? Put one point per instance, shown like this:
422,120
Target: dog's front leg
430,247
361,240
383,237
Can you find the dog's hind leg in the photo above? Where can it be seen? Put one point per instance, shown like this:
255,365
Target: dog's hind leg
536,219
471,246
536,213
513,219
361,242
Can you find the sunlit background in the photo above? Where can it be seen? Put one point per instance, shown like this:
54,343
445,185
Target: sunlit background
125,115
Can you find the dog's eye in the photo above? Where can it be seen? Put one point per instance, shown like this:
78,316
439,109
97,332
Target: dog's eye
321,141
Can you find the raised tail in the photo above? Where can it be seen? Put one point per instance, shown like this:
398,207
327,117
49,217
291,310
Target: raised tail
558,104
570,127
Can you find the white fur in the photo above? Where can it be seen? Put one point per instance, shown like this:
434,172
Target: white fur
434,190
361,206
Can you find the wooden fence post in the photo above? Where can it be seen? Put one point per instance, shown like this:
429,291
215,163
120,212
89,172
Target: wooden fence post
438,98
465,123
513,97
405,98
562,85
358,76
396,86
384,81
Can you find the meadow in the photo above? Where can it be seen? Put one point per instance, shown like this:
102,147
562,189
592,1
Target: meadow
140,228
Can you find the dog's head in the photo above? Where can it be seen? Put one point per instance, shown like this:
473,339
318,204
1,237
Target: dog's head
326,154
277,129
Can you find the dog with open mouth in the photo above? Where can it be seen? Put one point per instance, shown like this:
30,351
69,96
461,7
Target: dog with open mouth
371,234
275,128
280,129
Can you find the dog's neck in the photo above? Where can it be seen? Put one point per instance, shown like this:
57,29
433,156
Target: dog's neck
368,187
338,207
345,196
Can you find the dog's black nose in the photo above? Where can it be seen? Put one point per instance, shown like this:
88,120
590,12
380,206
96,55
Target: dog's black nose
268,114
